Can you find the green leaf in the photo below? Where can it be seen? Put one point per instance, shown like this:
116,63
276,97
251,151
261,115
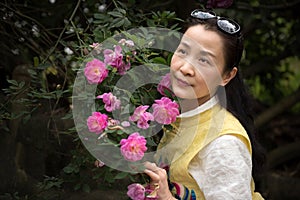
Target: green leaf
77,186
151,142
159,60
121,175
86,188
109,177
118,22
116,14
132,2
71,168
13,82
101,16
126,22
122,11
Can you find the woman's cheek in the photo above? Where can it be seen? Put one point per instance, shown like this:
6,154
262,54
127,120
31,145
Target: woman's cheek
175,62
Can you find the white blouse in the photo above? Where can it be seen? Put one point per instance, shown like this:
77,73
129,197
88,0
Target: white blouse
223,168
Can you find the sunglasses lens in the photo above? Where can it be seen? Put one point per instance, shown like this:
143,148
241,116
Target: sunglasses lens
228,26
203,15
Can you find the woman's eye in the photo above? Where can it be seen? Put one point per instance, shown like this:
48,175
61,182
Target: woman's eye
181,51
203,60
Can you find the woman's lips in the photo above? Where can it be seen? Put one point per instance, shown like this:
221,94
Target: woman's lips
182,82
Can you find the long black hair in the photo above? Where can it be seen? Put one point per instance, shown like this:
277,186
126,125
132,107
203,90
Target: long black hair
236,98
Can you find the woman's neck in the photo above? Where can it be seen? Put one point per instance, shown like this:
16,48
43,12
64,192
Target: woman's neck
190,104
190,111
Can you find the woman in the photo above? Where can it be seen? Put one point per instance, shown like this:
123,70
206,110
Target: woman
211,150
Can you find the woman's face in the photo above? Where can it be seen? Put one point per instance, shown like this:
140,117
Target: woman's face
197,65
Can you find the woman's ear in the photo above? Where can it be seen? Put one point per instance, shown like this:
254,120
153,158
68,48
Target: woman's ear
228,76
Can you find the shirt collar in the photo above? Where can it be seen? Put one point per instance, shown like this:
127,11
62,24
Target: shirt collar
207,105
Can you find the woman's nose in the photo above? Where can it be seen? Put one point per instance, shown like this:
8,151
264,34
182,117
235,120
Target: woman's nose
187,68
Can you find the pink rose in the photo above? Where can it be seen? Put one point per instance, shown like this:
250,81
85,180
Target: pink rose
123,68
95,45
143,120
99,163
142,117
134,147
136,191
128,43
125,123
165,110
95,71
164,84
115,59
111,102
97,122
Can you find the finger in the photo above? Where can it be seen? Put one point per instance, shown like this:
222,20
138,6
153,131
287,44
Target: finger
151,166
154,176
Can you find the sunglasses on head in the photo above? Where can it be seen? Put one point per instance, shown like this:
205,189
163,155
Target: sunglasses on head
226,25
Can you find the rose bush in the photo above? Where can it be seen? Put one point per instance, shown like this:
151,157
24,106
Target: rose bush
104,70
131,101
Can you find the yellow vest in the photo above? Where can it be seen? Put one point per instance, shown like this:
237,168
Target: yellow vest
189,136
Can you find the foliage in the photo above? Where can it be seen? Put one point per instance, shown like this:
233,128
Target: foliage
289,71
57,55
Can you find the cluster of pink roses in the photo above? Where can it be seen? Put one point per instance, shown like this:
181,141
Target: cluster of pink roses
96,70
164,110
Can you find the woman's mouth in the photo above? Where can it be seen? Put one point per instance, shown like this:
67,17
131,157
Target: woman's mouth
182,83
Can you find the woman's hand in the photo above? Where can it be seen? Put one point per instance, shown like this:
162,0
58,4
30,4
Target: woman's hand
159,179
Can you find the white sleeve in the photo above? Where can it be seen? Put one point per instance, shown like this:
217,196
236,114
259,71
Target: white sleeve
223,169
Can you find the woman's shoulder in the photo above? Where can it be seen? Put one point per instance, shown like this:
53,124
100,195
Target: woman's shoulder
224,143
231,123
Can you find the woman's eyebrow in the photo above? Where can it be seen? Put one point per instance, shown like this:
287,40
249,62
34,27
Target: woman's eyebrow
185,44
203,52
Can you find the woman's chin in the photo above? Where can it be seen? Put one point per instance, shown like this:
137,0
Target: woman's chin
184,93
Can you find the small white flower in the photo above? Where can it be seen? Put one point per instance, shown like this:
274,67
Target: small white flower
10,14
15,51
18,24
68,51
102,8
129,43
90,20
35,30
86,10
24,23
122,41
151,43
71,30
